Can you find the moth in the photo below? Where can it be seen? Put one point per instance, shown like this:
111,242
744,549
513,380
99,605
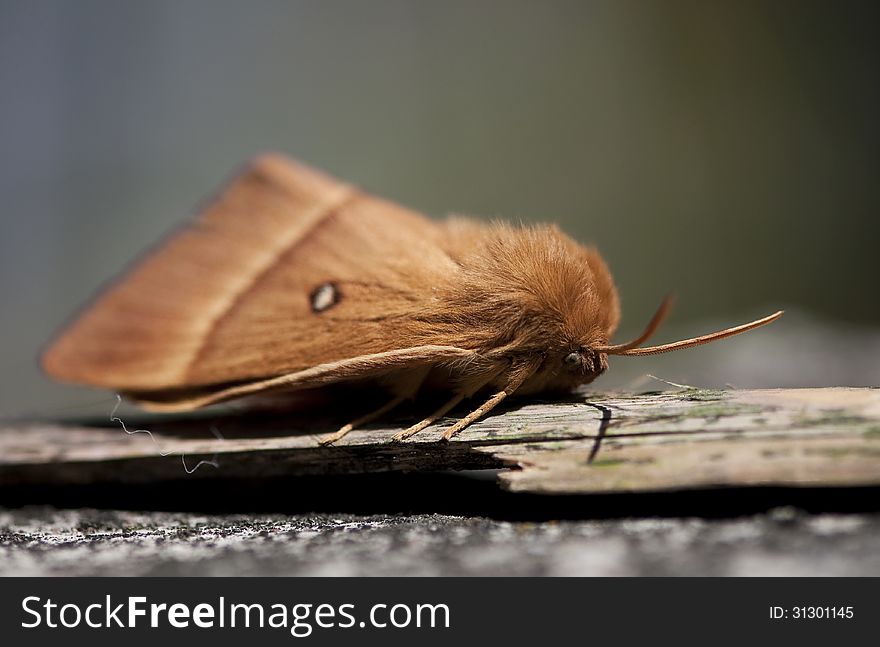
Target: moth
292,280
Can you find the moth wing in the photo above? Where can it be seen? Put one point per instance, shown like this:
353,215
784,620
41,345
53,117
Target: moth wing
232,297
362,367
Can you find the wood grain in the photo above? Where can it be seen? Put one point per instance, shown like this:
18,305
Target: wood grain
591,442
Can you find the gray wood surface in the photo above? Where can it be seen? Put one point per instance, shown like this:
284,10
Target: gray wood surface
589,442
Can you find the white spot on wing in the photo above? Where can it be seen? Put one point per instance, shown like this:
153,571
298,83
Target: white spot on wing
323,297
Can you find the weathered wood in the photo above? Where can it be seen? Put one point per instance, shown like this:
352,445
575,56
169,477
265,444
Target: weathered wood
591,442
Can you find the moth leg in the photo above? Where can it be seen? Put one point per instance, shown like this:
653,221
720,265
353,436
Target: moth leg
476,414
405,386
329,439
518,375
439,413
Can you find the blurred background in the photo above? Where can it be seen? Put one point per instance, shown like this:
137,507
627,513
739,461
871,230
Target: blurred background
726,151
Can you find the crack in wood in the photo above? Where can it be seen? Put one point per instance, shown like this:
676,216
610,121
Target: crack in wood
614,442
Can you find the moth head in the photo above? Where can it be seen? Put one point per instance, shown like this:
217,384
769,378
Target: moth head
533,292
586,362
571,366
563,369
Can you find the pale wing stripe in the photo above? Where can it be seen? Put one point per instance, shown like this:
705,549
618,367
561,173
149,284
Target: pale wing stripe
261,266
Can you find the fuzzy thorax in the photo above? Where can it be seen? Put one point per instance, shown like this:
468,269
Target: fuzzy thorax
521,293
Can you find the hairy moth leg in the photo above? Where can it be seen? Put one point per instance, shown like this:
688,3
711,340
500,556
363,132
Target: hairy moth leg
439,413
469,385
518,375
405,386
329,439
477,413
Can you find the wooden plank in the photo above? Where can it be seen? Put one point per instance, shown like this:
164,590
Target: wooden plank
690,439
590,442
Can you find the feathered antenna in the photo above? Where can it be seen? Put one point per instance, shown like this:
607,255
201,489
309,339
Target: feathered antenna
632,348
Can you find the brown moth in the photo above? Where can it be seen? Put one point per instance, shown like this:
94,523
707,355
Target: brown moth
294,280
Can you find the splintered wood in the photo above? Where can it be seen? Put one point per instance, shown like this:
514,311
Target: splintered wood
588,443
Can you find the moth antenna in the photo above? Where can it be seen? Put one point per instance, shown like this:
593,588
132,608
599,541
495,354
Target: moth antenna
696,341
650,329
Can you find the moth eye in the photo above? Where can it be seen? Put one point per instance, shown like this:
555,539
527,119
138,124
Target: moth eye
572,359
323,297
